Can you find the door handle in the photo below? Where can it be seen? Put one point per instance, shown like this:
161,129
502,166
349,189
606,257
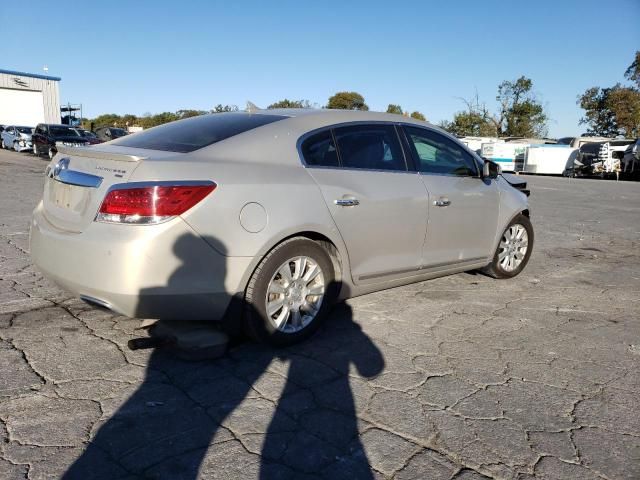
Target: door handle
347,202
442,202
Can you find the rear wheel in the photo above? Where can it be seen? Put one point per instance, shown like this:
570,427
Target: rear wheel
290,293
514,249
52,153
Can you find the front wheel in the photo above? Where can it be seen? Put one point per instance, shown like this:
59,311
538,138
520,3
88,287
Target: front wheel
52,153
290,293
514,249
3,144
35,149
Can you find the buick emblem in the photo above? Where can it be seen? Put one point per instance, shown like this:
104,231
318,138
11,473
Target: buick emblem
62,164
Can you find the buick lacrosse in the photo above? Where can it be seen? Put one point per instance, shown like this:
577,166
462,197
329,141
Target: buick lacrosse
267,218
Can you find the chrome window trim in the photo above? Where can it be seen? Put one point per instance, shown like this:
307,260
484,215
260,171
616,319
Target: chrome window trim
331,128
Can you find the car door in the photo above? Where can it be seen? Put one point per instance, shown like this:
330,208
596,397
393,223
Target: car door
36,138
463,207
377,204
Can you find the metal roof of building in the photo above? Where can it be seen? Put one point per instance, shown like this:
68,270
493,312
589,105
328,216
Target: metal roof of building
32,75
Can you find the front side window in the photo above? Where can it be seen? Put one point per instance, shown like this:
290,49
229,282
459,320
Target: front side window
371,147
319,150
438,154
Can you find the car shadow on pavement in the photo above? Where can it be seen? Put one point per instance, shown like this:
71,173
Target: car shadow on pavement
294,407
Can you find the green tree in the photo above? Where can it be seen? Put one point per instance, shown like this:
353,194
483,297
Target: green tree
470,124
633,72
614,110
418,116
475,121
347,101
397,109
190,113
107,120
286,103
224,108
598,117
158,119
520,113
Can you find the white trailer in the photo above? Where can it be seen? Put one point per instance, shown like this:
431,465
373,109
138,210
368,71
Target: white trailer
475,143
549,159
504,154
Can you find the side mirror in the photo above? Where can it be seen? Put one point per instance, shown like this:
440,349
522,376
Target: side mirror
491,169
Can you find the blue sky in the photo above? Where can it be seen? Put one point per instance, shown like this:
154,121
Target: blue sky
152,56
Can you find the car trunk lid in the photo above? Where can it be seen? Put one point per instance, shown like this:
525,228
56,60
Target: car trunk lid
78,179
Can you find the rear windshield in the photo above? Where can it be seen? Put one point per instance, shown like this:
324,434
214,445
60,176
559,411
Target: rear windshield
197,132
57,131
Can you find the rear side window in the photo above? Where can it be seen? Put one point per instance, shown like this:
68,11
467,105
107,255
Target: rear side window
371,147
197,132
320,150
438,154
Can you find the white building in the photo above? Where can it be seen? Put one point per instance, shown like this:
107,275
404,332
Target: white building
28,99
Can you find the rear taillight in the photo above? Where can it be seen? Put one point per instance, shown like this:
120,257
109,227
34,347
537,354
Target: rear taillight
151,204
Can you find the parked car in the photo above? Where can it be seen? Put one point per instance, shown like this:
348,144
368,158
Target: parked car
48,137
88,136
106,134
16,137
266,218
600,158
631,160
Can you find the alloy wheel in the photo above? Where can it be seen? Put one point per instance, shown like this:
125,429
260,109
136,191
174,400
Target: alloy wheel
513,247
295,294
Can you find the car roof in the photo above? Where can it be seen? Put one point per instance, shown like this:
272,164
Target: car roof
303,120
337,115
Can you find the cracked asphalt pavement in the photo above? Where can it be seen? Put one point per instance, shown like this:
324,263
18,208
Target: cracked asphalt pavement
463,377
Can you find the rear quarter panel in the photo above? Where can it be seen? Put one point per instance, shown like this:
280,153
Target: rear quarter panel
264,171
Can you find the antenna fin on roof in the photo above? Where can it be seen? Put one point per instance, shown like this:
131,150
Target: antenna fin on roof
252,107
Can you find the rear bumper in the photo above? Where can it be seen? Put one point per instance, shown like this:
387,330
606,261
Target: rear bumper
162,271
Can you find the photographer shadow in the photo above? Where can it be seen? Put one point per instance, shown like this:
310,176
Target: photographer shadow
294,407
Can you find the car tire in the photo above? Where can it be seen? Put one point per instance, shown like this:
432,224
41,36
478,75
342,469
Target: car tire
35,149
3,144
15,146
282,326
51,153
512,255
